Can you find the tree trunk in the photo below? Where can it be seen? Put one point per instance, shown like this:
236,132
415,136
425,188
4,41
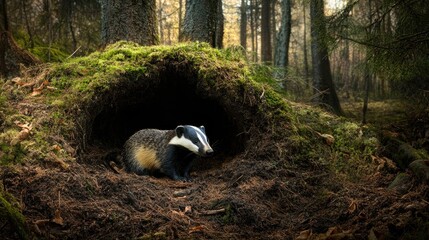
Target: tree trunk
283,37
243,24
129,20
266,51
4,21
27,24
368,75
48,8
256,20
160,22
322,77
180,18
203,22
12,56
252,29
304,40
273,27
219,25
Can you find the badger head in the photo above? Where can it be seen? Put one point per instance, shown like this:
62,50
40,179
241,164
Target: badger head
192,138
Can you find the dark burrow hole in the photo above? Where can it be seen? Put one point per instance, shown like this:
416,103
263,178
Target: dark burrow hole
164,104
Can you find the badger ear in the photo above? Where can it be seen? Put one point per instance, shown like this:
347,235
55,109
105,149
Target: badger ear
180,130
203,129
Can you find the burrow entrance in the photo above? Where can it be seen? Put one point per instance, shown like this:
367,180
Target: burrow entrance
173,98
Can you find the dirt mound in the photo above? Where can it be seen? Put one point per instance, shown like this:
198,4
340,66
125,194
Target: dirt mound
282,171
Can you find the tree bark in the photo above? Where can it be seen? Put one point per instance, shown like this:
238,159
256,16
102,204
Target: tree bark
12,56
180,18
243,24
129,20
252,30
4,21
256,21
27,23
283,37
322,77
219,25
203,22
266,50
368,75
304,40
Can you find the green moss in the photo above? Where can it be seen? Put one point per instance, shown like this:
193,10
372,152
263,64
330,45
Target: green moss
9,212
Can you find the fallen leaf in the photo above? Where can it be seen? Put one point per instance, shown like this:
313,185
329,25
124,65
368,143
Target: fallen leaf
29,84
304,235
329,139
22,135
55,147
177,213
196,229
353,206
24,125
17,81
36,92
54,158
58,219
188,209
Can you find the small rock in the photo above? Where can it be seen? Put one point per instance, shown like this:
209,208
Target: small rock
182,193
421,169
401,183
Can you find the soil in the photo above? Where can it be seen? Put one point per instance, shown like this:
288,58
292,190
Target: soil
239,198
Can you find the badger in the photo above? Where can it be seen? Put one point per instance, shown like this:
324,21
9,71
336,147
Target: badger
169,152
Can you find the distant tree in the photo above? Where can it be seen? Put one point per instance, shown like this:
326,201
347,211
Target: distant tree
243,24
203,22
180,17
129,20
266,50
11,55
322,77
283,37
219,25
304,42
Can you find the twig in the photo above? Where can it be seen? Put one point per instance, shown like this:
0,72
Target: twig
263,92
73,52
213,212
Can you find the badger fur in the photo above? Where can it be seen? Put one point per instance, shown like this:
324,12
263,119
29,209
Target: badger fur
170,152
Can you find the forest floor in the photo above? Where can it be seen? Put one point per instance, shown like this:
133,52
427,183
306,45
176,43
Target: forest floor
240,198
286,171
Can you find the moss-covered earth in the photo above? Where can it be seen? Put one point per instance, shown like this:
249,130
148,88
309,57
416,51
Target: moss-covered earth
282,170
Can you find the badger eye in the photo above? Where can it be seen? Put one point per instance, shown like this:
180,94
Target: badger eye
195,142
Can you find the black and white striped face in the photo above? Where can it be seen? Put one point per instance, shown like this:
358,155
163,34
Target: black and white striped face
192,138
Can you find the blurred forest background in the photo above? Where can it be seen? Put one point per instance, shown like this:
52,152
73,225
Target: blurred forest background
375,49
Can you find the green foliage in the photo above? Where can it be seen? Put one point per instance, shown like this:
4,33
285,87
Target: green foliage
47,54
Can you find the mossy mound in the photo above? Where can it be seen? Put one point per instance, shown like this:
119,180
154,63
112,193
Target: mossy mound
282,170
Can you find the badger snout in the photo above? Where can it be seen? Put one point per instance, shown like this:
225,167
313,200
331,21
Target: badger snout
209,152
206,152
